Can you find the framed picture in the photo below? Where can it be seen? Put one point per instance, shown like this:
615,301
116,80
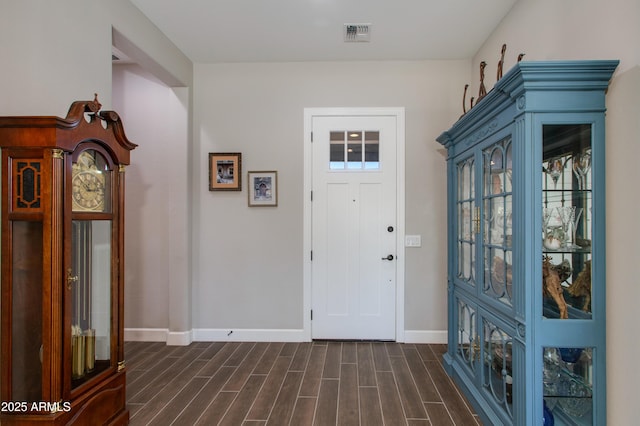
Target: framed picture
225,171
263,189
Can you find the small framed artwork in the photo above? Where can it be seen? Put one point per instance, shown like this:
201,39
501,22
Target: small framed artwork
225,171
263,189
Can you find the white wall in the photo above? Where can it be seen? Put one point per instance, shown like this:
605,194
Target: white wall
53,55
248,271
58,52
592,29
157,227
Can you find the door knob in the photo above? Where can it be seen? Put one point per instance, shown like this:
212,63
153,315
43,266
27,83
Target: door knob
389,257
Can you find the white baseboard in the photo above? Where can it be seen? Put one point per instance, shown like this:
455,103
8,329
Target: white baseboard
171,338
179,338
425,336
184,338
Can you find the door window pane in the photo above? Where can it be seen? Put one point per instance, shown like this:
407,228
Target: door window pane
354,150
372,150
336,150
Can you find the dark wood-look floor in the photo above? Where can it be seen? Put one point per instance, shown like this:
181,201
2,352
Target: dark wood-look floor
314,383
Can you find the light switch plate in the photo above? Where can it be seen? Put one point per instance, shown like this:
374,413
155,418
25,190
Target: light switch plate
413,241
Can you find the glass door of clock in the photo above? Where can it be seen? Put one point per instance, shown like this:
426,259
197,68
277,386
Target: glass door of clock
90,283
90,272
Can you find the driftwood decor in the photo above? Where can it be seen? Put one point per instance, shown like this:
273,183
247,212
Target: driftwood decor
482,92
501,63
581,287
551,286
554,275
464,99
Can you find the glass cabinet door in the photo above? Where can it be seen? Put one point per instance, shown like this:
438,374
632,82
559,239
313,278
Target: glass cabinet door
468,347
498,366
567,221
567,380
90,274
567,212
497,202
468,221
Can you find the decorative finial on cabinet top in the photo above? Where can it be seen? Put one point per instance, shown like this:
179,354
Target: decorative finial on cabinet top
483,91
95,105
501,62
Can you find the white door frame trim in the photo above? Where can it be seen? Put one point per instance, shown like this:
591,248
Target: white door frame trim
399,113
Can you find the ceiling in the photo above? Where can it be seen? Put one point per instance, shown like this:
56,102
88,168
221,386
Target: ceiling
214,31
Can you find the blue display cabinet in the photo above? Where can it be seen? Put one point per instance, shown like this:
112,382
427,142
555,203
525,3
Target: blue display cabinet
526,246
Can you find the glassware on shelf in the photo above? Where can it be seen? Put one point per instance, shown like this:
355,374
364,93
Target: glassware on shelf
554,168
574,226
570,216
581,165
567,215
554,233
574,396
567,384
551,371
570,355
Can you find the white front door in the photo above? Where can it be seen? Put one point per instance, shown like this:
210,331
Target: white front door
354,227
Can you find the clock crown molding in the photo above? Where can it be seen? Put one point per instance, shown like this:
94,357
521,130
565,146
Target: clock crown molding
84,121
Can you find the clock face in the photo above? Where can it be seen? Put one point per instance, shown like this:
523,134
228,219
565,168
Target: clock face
88,191
89,183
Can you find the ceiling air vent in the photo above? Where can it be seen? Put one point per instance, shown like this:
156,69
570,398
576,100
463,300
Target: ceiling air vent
357,32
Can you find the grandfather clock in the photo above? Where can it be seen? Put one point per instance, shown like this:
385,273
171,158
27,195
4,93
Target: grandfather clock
62,308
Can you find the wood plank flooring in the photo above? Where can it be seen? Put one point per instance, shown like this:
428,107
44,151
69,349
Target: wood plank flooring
310,383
